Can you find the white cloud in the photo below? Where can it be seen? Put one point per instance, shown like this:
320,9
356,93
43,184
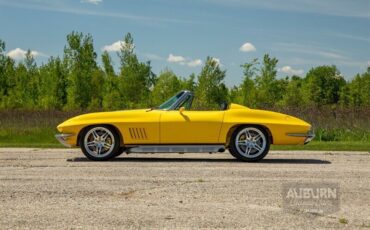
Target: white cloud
247,47
194,63
290,71
217,60
181,60
95,2
368,63
153,57
116,46
19,54
175,59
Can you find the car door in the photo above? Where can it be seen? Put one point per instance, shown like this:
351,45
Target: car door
190,127
139,126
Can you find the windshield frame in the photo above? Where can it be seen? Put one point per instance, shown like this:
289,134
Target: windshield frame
181,96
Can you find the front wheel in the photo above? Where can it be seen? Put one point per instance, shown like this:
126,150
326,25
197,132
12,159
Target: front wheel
99,143
249,143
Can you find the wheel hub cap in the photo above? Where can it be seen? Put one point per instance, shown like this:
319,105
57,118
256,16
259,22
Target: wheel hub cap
250,142
99,142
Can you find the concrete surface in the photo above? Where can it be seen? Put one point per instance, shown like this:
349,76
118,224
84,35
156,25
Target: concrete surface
61,189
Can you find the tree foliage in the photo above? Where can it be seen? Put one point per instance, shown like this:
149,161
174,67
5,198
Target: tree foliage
211,90
53,85
76,81
166,86
111,91
136,77
323,85
80,59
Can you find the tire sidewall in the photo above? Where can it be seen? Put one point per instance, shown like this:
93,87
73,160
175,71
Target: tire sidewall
111,154
235,153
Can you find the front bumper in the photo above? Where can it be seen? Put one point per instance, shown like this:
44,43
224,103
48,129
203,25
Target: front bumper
62,138
309,136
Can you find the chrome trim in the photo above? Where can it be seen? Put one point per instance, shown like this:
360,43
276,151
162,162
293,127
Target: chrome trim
179,101
310,135
176,149
297,134
62,138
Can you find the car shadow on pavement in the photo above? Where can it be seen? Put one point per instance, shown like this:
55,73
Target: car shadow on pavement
208,160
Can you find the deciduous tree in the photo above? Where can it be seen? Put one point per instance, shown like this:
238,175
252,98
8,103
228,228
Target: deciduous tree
80,57
136,77
166,86
211,90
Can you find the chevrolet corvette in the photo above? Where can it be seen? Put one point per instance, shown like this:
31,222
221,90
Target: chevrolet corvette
174,127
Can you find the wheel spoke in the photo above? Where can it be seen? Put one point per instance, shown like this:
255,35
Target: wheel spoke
256,138
95,149
99,150
95,134
256,146
248,150
104,136
241,143
247,135
91,143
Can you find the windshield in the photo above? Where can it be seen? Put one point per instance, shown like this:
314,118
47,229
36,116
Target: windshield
186,103
170,101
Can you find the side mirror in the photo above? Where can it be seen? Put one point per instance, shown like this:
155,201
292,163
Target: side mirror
181,109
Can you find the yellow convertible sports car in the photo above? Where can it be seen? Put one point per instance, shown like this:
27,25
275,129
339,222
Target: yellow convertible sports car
173,127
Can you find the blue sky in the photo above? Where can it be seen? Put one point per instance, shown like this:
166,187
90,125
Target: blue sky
179,35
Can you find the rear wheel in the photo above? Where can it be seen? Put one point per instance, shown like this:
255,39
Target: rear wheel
100,143
249,143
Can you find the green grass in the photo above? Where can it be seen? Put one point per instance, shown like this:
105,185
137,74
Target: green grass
342,134
327,145
34,137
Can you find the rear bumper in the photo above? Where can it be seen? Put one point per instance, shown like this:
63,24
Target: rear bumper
63,137
309,136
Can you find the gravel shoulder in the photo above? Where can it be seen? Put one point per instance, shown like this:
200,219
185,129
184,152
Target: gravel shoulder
60,188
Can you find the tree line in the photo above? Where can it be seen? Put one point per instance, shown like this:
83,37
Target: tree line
77,81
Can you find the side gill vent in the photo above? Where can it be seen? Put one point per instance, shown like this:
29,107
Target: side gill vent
138,133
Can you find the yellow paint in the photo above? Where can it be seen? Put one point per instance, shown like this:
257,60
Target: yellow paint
277,123
190,127
187,127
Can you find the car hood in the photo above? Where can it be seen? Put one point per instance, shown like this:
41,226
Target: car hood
98,118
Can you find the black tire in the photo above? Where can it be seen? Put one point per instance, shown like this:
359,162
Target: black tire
87,136
120,151
249,152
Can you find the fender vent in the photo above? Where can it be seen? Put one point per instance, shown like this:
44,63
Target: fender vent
138,133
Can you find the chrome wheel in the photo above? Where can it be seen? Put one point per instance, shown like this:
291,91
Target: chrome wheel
250,142
99,142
